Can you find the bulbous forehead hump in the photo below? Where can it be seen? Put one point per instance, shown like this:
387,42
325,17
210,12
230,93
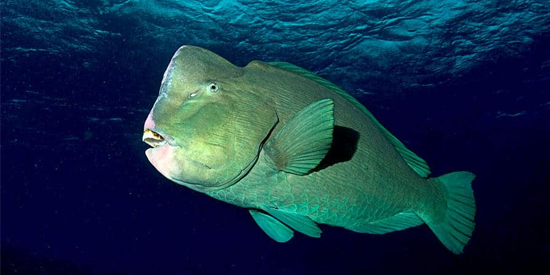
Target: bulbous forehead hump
197,62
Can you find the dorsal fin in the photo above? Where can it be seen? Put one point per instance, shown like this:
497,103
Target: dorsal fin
414,161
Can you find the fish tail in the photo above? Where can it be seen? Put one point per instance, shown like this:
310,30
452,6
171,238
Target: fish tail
455,230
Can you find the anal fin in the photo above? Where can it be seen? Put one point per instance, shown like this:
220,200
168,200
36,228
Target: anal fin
398,222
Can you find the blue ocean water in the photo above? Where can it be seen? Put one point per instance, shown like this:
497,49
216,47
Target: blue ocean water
464,84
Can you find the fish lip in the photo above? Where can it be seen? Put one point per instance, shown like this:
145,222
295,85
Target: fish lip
154,138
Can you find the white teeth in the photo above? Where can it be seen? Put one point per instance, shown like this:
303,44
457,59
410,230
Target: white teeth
152,138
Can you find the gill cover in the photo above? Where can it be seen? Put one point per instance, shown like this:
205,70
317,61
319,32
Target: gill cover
214,122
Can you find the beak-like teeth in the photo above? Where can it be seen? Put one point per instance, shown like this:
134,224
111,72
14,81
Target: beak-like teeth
153,138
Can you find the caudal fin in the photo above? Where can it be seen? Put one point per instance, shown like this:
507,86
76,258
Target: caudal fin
456,229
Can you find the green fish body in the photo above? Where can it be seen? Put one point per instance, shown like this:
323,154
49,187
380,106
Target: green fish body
296,151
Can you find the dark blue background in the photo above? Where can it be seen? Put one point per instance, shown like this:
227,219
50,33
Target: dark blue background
79,196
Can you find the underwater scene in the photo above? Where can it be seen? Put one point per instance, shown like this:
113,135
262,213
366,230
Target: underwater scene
275,137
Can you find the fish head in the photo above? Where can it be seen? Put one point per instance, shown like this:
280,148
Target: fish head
208,125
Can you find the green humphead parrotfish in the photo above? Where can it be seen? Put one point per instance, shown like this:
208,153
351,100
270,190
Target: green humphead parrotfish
296,151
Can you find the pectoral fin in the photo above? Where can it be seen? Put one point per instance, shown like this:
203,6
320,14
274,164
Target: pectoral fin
302,224
272,227
304,140
414,161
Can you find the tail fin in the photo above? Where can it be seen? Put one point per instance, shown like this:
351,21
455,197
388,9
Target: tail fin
457,227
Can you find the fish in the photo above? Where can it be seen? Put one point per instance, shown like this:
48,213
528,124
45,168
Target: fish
296,151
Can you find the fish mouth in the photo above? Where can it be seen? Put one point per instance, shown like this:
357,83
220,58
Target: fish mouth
155,139
162,157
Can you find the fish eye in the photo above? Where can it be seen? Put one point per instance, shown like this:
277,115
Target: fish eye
213,87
